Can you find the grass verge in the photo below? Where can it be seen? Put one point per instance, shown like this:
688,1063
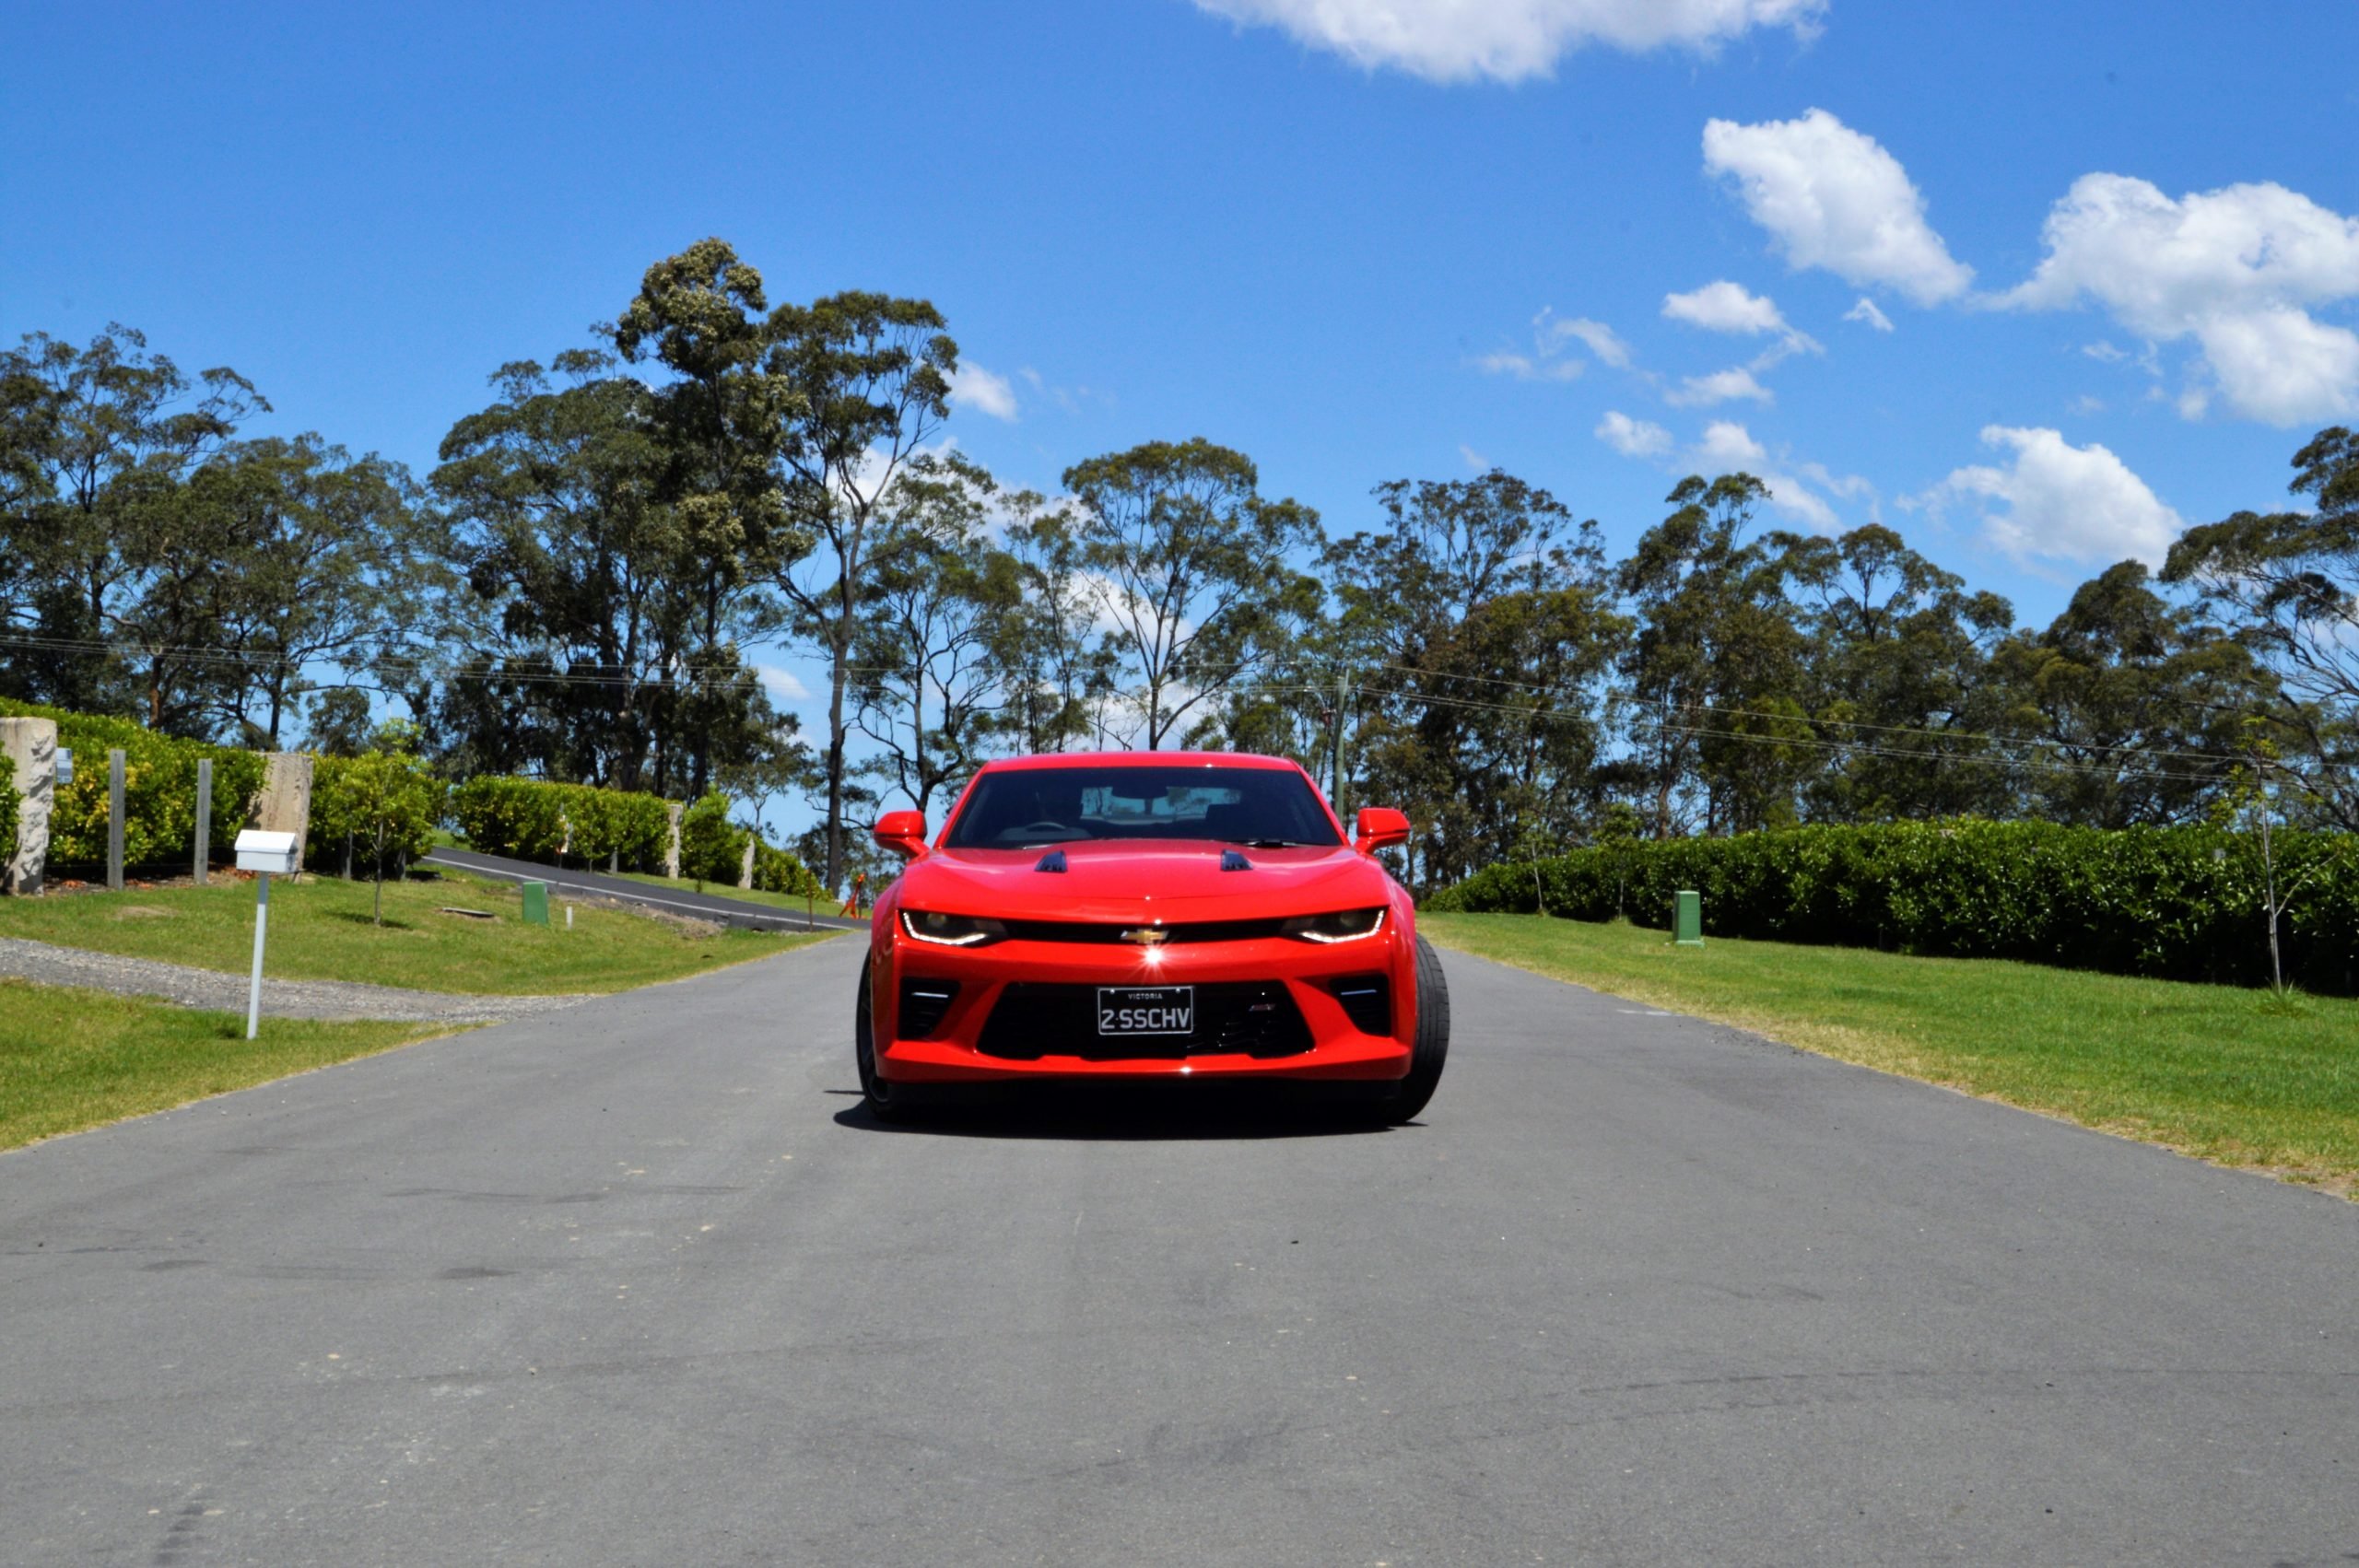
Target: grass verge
2234,1076
791,903
321,930
71,1060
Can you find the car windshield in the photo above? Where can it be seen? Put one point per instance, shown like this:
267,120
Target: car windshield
1036,807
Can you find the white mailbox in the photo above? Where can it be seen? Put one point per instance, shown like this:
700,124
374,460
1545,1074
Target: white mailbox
271,852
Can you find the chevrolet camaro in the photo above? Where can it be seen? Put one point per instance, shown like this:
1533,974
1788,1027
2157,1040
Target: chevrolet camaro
1147,916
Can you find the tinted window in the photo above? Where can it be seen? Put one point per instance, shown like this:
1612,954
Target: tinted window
1032,807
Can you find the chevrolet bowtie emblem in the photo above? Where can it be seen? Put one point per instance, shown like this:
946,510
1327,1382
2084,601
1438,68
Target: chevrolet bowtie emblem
1147,936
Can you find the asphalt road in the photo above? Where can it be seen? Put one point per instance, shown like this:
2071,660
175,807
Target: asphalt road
632,1284
719,906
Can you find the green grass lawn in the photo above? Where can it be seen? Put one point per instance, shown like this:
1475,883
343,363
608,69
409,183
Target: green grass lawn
320,929
75,1059
792,902
2235,1076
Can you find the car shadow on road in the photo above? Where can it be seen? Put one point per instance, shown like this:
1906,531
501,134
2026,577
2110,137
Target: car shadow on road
1101,1116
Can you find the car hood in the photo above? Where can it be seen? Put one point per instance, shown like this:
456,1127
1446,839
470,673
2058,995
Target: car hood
1135,880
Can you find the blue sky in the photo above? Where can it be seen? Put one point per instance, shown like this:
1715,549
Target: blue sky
1359,239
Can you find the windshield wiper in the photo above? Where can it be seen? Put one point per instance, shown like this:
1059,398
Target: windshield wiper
1271,843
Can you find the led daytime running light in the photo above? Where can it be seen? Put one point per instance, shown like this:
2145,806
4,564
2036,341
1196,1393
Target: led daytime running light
951,930
1307,927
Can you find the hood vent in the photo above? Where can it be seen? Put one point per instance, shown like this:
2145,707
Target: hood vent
1235,861
1054,860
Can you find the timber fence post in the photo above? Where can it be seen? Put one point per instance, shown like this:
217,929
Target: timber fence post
114,820
204,817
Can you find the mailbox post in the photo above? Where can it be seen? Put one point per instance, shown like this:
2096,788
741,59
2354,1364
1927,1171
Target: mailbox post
264,854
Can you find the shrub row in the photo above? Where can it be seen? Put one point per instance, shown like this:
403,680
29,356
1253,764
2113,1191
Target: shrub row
550,822
2183,903
533,819
712,849
159,792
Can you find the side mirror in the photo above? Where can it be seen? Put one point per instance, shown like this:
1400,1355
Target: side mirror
903,832
1380,827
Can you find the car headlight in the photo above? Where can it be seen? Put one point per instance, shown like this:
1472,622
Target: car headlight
1343,925
951,930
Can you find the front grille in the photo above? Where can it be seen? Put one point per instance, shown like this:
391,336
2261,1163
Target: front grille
1368,998
1095,931
1248,1017
922,1004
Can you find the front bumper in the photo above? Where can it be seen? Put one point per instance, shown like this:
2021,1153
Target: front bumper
961,1046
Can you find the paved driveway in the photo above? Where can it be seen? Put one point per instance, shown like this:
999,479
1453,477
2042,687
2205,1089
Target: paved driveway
630,1284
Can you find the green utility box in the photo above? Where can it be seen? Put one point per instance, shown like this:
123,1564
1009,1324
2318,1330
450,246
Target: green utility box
1688,918
536,903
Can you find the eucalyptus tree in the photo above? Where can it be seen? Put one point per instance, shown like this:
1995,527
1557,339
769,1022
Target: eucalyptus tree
2286,586
1058,672
579,640
1480,623
867,379
1897,686
1196,581
2133,706
723,421
333,558
1719,739
928,688
27,413
101,437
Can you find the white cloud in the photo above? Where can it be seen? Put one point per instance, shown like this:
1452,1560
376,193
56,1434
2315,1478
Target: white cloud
1866,310
1474,459
1547,361
1720,386
2234,269
1728,448
783,682
2085,406
1524,367
2080,504
1600,339
1726,307
1454,41
1831,197
1632,438
973,387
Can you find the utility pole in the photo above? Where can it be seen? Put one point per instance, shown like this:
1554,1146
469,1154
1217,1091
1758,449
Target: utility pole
1342,697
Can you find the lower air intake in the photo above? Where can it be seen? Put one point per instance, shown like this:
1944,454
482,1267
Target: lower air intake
1254,1018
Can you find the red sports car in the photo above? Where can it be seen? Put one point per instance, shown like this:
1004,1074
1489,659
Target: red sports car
1148,915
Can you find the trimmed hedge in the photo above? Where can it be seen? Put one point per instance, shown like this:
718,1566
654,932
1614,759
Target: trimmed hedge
780,871
712,849
2181,903
533,819
159,792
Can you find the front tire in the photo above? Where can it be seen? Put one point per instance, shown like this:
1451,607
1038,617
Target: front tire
1431,1047
875,1092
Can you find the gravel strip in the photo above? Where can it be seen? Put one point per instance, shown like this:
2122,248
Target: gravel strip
55,965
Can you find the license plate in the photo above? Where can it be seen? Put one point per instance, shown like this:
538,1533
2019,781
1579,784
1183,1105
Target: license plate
1146,1010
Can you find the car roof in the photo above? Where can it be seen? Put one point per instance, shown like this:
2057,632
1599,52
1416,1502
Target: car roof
1138,759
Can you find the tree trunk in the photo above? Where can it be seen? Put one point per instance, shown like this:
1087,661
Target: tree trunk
839,653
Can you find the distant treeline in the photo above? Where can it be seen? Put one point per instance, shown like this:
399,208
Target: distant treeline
572,592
